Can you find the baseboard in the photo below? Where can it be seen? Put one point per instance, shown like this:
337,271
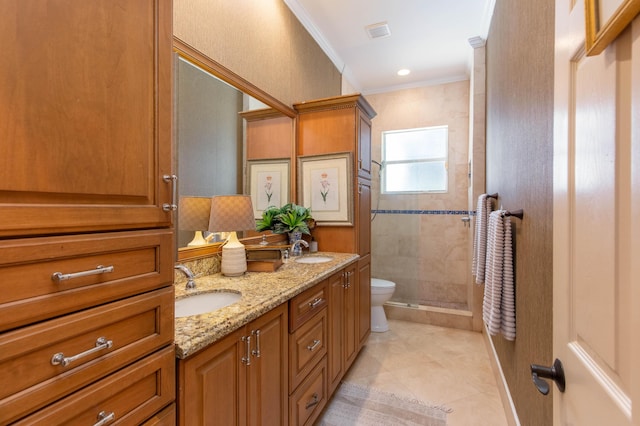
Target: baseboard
503,387
442,317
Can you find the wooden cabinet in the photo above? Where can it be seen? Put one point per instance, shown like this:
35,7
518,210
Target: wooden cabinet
343,324
343,124
239,380
86,240
86,117
333,125
309,345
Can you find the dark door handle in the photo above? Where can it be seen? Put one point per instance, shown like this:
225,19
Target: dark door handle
555,373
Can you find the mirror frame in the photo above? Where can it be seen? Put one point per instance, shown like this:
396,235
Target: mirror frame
197,58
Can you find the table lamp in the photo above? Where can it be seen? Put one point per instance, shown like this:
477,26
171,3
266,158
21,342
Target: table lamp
231,213
193,215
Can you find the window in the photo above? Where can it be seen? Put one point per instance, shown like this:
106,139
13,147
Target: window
415,160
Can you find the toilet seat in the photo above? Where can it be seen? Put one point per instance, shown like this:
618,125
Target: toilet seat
380,286
377,282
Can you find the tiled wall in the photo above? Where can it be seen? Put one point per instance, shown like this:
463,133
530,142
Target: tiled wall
420,241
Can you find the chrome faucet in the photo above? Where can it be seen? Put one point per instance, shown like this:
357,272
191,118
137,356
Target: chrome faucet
191,284
296,250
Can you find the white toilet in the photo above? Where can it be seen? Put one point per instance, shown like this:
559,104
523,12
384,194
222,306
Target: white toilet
381,291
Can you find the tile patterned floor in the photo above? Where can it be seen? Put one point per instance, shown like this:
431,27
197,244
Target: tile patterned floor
436,365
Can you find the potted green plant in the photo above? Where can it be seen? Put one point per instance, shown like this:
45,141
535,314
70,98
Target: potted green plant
290,219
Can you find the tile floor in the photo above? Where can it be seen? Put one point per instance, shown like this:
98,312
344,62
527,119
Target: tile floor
436,365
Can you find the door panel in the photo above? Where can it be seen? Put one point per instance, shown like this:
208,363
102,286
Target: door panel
593,213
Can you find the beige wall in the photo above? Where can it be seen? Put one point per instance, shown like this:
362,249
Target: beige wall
519,168
261,41
424,254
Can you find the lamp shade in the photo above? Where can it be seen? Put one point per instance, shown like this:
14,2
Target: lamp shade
231,213
193,213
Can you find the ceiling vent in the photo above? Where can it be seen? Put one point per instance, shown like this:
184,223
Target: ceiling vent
378,30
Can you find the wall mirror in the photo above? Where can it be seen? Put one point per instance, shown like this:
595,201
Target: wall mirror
223,123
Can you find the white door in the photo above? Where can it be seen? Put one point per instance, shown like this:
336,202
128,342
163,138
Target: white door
596,312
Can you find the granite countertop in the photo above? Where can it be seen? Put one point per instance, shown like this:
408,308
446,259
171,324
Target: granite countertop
261,292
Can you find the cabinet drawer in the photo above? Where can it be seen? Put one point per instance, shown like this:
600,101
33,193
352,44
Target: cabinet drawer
29,292
31,378
308,344
307,304
307,402
166,417
130,396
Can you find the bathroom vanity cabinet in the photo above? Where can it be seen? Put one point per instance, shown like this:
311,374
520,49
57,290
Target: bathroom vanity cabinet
241,379
86,243
337,125
312,331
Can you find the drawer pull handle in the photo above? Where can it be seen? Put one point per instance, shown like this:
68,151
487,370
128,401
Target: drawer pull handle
256,351
314,401
59,276
314,345
173,206
246,360
60,359
313,304
104,418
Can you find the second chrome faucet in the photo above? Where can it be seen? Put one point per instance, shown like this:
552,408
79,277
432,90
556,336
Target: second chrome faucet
191,284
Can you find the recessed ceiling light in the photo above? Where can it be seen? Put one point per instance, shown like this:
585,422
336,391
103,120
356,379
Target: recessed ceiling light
403,72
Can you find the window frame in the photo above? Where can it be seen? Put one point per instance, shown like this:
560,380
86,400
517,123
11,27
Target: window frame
385,162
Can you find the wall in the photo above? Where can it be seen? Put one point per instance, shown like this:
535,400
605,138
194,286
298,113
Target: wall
261,41
423,248
519,167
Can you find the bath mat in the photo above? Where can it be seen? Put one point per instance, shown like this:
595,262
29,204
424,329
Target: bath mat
363,406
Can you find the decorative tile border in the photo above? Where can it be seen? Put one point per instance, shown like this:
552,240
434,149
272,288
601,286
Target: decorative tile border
437,212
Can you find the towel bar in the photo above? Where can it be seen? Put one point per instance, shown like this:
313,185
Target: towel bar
516,213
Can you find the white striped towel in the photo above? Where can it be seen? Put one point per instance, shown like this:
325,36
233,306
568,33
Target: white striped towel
483,209
498,306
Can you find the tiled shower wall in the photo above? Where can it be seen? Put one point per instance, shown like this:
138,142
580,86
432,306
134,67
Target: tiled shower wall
419,241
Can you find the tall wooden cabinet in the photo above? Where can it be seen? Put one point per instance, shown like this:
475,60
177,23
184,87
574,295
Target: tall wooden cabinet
335,125
85,101
86,185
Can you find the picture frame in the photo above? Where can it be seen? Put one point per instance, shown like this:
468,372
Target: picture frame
268,183
326,187
605,20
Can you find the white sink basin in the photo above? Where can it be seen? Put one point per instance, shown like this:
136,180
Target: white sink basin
313,259
204,303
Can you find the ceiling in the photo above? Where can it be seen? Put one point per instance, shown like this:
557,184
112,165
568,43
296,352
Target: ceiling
428,37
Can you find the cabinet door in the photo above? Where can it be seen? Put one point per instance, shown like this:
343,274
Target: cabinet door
335,363
364,146
86,127
268,385
213,384
364,217
364,299
351,341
